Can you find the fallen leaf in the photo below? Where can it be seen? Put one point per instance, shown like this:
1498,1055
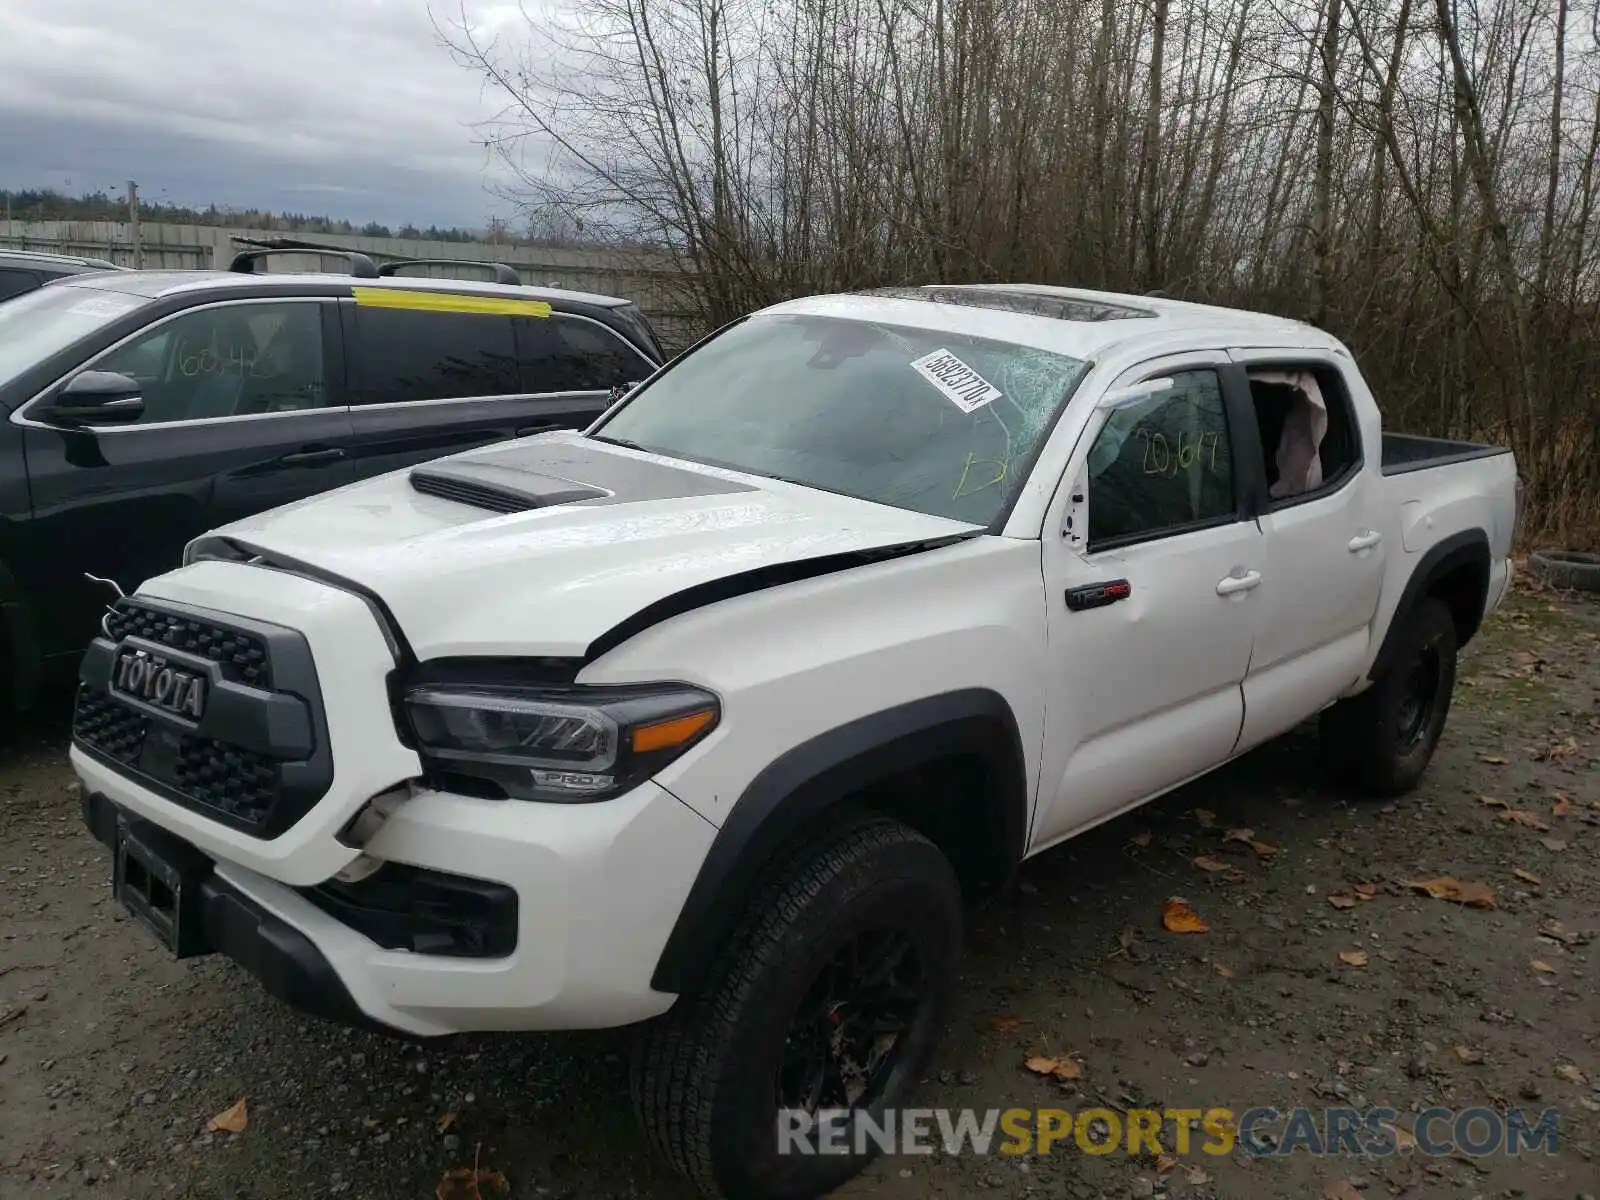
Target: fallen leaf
1519,816
1492,802
472,1183
1554,931
1494,760
1556,844
230,1120
444,1123
1340,1190
1571,1074
1340,900
1555,750
1542,967
1007,1024
1178,917
1248,837
1198,1177
1205,816
1206,863
1470,1055
1526,876
1562,806
1353,958
1055,1068
1165,1163
1224,970
1142,838
1366,890
1474,895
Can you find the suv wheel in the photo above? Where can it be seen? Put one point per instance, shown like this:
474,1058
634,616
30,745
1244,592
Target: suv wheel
1382,740
829,996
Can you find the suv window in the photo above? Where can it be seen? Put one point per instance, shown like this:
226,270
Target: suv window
413,354
1163,464
14,283
229,360
571,354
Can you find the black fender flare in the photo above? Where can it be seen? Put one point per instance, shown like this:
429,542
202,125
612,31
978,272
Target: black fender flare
21,654
1468,549
806,781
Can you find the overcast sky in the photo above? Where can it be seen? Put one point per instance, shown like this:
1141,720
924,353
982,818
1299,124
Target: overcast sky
349,108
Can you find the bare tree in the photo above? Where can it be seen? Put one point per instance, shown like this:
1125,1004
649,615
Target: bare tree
1417,177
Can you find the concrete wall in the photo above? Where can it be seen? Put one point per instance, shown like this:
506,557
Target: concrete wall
646,278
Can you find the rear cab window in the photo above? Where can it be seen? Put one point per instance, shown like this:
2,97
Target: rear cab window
1310,442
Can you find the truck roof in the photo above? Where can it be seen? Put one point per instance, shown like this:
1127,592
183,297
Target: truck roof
156,284
1074,321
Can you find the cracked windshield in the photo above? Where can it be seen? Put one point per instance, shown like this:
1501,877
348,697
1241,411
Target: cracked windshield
939,423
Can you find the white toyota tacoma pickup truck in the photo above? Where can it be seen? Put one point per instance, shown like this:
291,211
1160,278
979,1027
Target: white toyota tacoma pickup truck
710,717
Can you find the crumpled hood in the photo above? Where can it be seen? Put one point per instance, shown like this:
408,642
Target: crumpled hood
607,532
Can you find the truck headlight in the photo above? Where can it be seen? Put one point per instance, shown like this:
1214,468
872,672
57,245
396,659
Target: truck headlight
561,743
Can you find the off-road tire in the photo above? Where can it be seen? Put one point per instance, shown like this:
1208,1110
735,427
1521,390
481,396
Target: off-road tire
704,1074
1367,742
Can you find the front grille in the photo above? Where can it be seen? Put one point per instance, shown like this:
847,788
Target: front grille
258,757
112,729
237,783
243,657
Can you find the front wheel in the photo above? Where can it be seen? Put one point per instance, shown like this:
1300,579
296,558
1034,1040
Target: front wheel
1382,740
829,996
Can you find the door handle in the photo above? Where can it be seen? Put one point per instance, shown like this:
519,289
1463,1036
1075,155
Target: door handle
311,458
1365,540
1238,583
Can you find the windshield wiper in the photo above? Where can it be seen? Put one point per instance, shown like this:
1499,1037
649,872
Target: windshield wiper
623,442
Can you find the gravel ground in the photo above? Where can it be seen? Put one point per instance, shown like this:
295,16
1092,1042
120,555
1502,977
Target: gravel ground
113,1057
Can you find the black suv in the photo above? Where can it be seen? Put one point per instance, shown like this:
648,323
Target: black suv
139,409
23,270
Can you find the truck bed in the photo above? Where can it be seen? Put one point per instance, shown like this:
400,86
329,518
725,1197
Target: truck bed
1407,452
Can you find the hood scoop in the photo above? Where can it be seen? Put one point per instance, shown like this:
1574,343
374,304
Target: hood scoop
499,489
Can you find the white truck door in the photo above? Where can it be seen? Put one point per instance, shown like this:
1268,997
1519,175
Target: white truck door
1325,553
1153,578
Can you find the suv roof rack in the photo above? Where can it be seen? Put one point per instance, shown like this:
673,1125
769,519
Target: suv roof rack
502,272
244,262
52,256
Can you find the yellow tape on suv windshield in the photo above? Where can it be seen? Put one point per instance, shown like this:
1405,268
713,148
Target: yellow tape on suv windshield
491,306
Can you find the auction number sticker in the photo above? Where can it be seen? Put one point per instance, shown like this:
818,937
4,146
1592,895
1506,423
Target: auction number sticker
956,381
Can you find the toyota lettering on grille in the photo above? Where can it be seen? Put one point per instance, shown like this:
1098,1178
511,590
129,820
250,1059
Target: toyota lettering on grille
153,680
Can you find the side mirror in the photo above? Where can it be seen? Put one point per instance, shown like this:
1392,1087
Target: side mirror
98,397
